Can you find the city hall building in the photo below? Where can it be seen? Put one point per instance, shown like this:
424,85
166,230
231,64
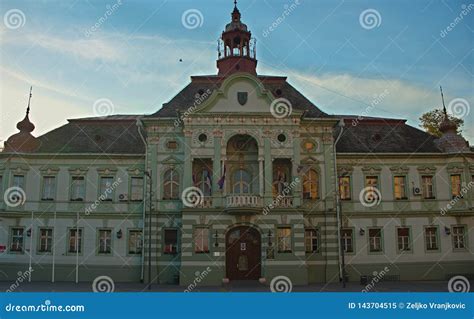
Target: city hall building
238,177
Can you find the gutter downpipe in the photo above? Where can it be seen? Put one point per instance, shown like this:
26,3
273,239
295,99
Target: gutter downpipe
139,126
338,208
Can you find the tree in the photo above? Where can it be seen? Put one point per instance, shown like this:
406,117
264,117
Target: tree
431,121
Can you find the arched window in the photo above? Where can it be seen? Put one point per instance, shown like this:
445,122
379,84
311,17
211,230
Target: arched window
241,180
204,182
171,184
311,185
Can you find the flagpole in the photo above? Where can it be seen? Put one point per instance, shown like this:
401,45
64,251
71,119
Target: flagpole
77,248
54,247
31,247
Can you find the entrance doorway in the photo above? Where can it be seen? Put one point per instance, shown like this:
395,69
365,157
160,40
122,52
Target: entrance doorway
243,253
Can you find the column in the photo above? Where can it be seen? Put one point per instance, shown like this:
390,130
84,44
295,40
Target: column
260,176
188,163
216,171
296,162
268,171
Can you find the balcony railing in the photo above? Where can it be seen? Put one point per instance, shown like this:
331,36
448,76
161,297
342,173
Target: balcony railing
206,202
283,201
242,200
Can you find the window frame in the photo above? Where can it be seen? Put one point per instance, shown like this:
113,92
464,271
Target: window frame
131,191
369,241
134,230
176,251
38,246
71,188
343,243
81,241
367,186
109,196
465,239
171,182
404,189
433,188
196,228
11,241
99,239
54,191
410,242
438,244
289,237
349,184
241,182
318,240
317,185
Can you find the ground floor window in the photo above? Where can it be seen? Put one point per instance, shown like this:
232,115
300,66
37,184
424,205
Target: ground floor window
403,236
16,241
347,240
375,240
431,238
284,239
45,240
105,241
312,240
459,237
171,241
135,243
75,240
201,240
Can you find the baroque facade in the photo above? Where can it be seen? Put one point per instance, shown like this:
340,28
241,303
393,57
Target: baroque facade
238,177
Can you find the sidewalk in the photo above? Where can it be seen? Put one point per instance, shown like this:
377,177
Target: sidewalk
404,286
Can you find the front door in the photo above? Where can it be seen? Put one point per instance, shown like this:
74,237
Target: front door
243,254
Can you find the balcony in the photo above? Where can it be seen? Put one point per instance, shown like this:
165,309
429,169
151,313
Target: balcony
242,200
205,203
283,201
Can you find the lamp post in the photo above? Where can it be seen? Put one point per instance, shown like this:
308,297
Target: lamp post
338,207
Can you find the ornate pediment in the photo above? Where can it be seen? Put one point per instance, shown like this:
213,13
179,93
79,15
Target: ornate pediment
426,169
371,170
402,169
344,170
171,160
455,169
49,170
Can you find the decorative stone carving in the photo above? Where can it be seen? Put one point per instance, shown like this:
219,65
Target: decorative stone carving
399,169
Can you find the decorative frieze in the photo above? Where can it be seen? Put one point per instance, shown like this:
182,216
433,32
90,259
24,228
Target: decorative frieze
425,169
455,169
371,170
401,170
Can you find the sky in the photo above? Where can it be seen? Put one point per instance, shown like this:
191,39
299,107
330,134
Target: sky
374,58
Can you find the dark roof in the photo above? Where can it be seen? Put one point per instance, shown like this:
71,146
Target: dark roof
116,134
381,135
279,87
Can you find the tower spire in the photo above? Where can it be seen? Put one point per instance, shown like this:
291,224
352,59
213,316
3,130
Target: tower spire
442,99
29,100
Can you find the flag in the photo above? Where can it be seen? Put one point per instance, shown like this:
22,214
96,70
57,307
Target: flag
207,180
222,180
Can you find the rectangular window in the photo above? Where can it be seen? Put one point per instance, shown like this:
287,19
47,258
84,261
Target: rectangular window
201,240
403,235
19,181
75,240
427,187
136,189
45,240
312,240
459,240
171,241
16,241
345,187
455,185
284,239
78,188
372,185
135,242
399,187
49,188
347,240
431,238
106,187
105,241
375,240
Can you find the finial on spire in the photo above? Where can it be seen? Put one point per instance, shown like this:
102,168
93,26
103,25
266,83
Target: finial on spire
235,3
29,100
